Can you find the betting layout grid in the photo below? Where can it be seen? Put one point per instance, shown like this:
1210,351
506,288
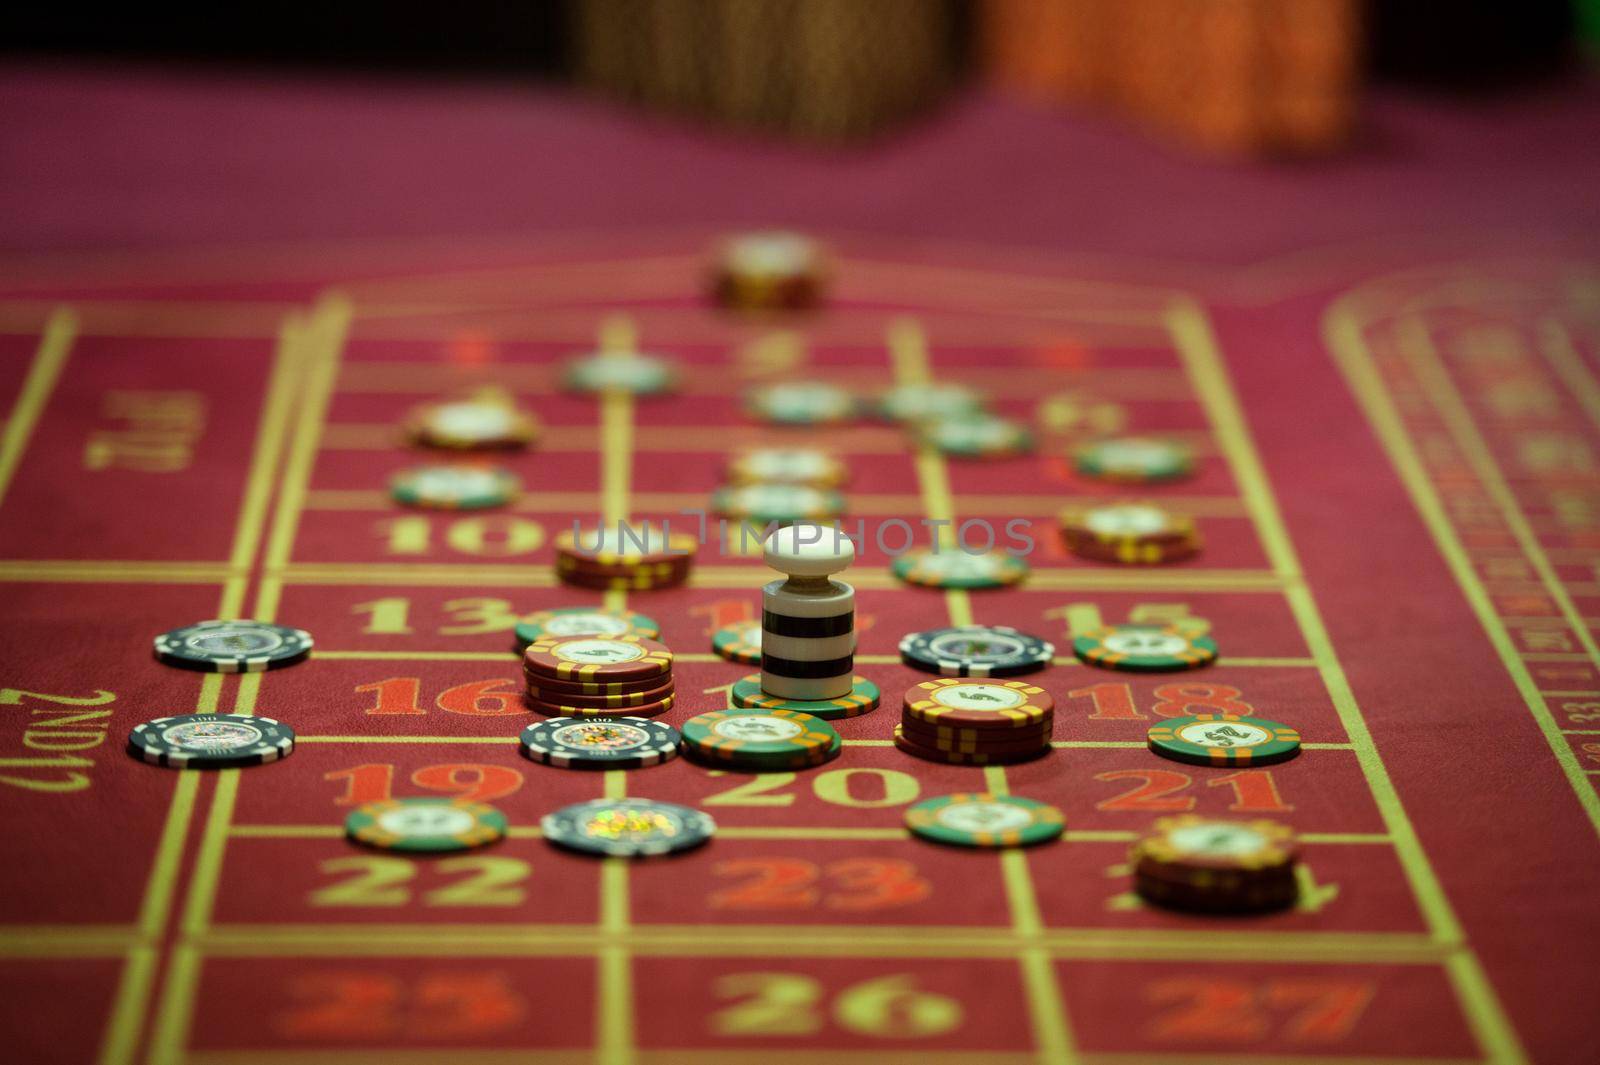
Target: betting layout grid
1096,701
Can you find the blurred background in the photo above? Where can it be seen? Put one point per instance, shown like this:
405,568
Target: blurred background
1251,77
328,119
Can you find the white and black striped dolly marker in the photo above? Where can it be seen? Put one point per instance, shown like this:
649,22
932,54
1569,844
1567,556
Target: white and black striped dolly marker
808,622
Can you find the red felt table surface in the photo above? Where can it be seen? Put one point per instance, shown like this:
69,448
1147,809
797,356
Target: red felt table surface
221,299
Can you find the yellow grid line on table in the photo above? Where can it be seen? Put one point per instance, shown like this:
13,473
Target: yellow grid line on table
1197,345
369,939
313,344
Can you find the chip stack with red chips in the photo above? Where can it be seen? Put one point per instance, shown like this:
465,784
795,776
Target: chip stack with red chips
769,271
598,676
1213,865
628,558
1129,532
975,721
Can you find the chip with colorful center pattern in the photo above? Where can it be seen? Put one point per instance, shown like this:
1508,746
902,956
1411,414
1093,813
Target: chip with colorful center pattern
599,742
627,828
211,741
976,651
233,646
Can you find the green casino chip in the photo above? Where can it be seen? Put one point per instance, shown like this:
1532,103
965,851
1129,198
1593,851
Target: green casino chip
759,737
233,646
982,819
599,742
780,503
211,741
801,403
954,568
976,651
977,436
1135,460
425,826
739,643
1144,649
1224,740
627,828
929,402
583,621
788,465
863,698
620,371
443,486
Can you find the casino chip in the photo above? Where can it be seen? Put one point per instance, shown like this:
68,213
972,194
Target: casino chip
599,742
1136,460
597,659
979,704
233,646
976,651
556,707
1129,532
760,739
486,422
1224,740
982,819
955,568
425,826
620,371
583,621
627,828
638,558
977,436
929,402
211,741
780,503
864,697
959,754
1210,865
739,643
787,465
573,694
801,403
454,487
773,270
1144,648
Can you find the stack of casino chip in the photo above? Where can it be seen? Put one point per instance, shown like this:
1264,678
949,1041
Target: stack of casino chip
1211,865
972,721
1129,532
598,676
628,558
772,270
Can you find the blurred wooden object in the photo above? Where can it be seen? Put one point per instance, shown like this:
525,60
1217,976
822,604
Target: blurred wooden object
1237,77
820,69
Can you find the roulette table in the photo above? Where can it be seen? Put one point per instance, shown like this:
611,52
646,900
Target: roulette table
218,308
